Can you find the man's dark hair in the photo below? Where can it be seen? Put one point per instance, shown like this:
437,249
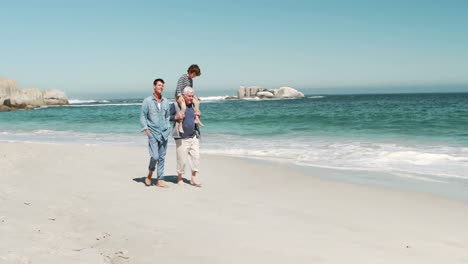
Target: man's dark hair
158,80
194,68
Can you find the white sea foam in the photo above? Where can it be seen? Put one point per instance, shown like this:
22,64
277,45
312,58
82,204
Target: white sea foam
417,158
44,131
53,136
422,162
212,98
412,161
252,99
78,101
267,99
100,105
316,97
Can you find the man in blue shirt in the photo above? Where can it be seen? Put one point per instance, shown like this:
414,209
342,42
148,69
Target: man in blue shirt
187,142
154,120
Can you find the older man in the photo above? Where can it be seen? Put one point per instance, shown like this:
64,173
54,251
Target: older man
187,143
154,120
184,81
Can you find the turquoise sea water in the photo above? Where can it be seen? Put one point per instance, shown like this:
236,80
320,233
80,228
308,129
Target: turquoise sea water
418,136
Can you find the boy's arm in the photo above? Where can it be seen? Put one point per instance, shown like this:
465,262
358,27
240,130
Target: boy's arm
180,87
175,114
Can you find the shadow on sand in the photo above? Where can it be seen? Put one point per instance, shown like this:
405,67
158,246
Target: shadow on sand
167,178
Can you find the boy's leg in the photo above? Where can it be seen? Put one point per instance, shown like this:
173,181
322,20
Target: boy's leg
196,105
181,102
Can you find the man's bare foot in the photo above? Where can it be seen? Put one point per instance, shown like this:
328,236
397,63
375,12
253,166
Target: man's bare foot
194,181
161,184
148,178
180,180
195,184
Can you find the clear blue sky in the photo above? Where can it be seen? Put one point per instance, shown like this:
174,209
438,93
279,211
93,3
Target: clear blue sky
119,47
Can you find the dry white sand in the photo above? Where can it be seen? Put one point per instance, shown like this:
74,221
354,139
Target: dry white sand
88,204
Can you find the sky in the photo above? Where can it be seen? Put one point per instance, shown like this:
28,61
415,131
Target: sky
86,48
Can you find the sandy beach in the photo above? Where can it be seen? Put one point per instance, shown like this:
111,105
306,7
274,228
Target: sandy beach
88,204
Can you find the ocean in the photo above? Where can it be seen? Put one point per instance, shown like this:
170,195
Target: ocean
413,139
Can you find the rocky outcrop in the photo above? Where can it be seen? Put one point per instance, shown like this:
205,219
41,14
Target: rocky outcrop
260,92
288,92
55,97
31,97
265,94
249,91
7,88
11,97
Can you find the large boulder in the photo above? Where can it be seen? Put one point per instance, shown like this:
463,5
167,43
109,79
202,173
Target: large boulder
241,93
55,97
4,108
265,94
288,92
260,92
31,97
7,89
249,91
11,97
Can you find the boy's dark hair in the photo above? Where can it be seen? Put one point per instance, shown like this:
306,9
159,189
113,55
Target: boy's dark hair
194,68
158,80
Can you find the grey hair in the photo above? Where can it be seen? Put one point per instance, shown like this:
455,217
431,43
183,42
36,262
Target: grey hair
187,90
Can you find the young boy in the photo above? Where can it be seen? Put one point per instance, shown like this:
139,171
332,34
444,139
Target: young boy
184,81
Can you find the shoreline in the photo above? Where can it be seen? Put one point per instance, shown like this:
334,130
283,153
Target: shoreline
363,177
88,204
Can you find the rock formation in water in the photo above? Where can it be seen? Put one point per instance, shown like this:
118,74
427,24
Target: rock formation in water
12,97
260,92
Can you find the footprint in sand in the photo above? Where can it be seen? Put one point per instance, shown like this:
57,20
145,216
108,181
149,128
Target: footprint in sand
119,257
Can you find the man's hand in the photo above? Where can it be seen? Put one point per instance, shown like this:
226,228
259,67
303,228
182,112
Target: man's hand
198,113
180,116
148,133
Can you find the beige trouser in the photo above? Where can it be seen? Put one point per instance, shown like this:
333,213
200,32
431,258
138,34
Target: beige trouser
187,149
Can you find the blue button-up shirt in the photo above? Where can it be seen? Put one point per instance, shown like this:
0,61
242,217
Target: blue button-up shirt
155,119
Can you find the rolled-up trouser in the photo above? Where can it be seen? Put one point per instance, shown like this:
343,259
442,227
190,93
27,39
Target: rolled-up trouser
157,151
187,149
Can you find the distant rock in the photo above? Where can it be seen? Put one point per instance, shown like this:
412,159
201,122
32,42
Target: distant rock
11,97
7,88
265,94
288,92
31,97
249,91
260,92
55,97
4,108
